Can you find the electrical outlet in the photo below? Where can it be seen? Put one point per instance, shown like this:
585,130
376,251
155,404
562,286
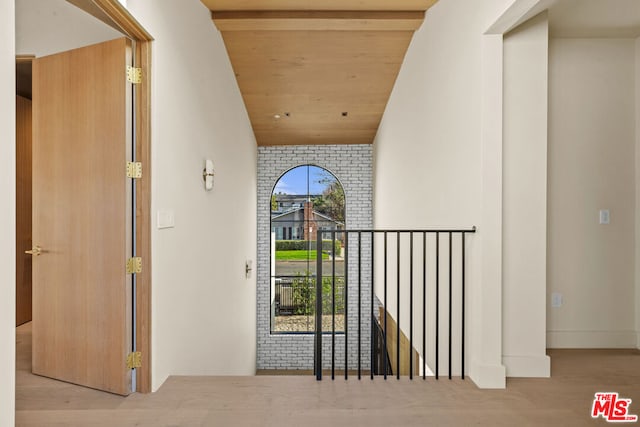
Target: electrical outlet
556,300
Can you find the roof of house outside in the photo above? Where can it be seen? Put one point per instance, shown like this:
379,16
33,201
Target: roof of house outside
315,213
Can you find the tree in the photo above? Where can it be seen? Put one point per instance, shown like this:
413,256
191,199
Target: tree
274,203
331,201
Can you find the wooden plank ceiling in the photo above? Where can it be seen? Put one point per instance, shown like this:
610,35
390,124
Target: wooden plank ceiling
316,72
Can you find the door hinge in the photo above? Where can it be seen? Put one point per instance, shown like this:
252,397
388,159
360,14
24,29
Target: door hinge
134,74
134,265
134,170
134,360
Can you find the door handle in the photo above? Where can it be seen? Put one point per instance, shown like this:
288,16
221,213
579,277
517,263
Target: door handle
36,251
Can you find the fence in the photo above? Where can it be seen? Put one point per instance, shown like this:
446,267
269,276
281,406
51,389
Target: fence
297,295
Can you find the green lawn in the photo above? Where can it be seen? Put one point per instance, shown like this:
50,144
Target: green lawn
303,255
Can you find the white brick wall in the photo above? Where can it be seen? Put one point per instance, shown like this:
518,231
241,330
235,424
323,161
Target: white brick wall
352,165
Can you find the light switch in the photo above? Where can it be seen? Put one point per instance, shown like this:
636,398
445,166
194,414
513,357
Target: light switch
556,300
604,216
166,219
208,174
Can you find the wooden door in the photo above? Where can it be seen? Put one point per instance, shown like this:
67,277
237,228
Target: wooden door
23,210
82,326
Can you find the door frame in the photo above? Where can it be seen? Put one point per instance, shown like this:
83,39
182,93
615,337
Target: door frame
123,21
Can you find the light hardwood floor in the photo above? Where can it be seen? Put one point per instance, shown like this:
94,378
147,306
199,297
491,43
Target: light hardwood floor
563,400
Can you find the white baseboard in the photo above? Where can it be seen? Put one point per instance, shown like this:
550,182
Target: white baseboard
593,339
527,366
488,376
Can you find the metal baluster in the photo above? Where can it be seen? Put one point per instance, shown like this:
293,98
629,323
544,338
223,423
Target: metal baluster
410,306
384,350
346,304
398,312
333,305
359,305
424,306
437,305
318,361
450,296
463,290
373,323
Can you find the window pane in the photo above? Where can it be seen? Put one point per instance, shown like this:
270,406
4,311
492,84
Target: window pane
306,200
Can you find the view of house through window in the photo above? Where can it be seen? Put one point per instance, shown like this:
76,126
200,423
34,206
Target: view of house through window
304,200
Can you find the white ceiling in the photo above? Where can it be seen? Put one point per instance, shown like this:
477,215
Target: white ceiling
595,18
44,27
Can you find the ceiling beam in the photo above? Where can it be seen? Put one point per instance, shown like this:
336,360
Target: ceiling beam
317,21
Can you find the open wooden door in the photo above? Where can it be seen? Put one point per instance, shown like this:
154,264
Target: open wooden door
82,296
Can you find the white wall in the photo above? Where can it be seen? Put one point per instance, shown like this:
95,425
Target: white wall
429,155
592,137
7,213
524,210
637,194
204,310
44,27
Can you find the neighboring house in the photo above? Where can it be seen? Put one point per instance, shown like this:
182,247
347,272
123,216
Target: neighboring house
286,202
295,222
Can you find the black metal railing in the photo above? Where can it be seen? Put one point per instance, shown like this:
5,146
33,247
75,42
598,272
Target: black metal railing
381,362
424,245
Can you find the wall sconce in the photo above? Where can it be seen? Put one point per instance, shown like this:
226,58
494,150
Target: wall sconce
248,266
207,175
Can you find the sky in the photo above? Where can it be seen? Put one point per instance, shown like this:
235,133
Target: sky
295,181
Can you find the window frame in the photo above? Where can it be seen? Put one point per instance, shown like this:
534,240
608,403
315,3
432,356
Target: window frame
273,277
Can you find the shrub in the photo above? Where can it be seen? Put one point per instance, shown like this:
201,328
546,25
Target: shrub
304,295
302,245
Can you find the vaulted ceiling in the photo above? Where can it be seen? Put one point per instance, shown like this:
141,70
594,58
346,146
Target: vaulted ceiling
316,72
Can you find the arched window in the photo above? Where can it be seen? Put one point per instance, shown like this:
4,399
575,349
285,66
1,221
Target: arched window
304,200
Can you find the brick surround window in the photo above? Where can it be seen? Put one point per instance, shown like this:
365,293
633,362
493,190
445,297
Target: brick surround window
352,165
